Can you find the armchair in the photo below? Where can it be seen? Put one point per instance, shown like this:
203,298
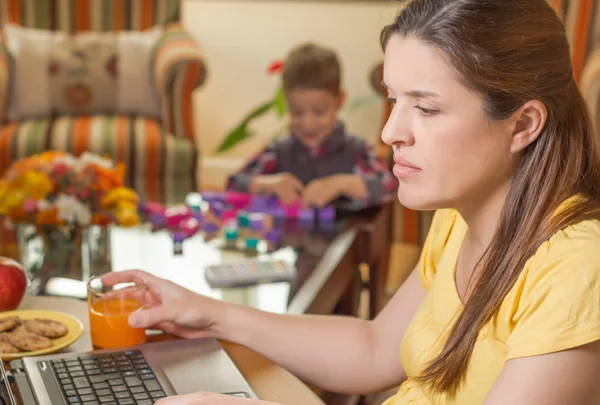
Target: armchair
159,150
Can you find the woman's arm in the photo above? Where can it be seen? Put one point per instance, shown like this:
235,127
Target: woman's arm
339,354
569,377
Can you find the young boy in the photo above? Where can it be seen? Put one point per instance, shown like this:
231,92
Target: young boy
318,162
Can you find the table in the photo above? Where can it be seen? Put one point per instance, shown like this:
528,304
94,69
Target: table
326,258
269,381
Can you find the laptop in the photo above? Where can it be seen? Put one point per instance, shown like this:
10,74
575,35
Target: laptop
140,375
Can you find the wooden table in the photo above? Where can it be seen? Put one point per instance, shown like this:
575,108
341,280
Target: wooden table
269,381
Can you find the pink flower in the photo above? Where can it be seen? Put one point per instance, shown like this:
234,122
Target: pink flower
275,67
60,169
29,205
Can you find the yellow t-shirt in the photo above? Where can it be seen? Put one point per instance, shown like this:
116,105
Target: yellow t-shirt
554,305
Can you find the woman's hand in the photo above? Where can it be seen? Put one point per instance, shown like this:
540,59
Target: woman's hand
172,308
206,398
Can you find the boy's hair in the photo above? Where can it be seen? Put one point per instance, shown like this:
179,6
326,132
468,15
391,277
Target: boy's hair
310,66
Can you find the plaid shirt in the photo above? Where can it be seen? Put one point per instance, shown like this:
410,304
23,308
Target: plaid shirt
340,153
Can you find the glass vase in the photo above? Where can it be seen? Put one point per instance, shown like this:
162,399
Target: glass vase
61,260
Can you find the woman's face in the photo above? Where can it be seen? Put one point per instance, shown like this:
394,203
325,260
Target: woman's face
448,153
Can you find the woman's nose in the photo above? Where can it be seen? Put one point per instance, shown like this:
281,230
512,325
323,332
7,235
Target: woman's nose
397,128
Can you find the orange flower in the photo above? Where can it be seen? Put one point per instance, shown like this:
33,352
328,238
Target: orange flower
17,214
50,155
107,179
24,165
48,217
100,219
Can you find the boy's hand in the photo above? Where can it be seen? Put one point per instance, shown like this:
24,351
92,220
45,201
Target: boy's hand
284,185
320,192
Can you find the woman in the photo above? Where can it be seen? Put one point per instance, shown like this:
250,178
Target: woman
489,128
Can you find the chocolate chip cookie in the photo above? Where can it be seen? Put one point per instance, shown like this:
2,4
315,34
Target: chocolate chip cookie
29,341
7,348
46,327
9,322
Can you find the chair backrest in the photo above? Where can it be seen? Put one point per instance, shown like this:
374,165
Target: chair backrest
582,24
90,15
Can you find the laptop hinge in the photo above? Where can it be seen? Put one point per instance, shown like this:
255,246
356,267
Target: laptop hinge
6,378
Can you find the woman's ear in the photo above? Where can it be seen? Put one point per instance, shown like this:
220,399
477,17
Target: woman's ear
529,121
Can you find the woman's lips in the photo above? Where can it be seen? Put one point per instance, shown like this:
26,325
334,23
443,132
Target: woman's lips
404,167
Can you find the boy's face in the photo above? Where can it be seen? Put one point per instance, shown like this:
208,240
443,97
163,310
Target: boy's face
313,114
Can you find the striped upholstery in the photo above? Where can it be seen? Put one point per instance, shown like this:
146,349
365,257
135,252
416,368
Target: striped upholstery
178,70
161,167
4,81
590,85
161,155
589,81
90,15
582,23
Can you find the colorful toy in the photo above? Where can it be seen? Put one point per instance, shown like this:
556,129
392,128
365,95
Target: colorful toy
268,205
243,219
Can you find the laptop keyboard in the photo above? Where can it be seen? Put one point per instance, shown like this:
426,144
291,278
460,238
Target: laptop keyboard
117,378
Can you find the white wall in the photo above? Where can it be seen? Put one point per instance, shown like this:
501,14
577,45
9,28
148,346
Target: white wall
241,37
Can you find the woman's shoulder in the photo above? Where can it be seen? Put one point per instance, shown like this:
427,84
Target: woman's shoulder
553,305
568,263
577,244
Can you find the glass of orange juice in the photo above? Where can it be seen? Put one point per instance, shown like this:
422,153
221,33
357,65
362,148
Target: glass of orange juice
109,307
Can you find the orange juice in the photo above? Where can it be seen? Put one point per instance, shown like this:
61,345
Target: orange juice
108,323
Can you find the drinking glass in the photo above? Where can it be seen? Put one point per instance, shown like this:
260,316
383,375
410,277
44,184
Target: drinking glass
109,307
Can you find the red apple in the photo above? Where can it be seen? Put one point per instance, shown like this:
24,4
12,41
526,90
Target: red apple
13,284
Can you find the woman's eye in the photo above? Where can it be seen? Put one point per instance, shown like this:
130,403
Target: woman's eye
426,111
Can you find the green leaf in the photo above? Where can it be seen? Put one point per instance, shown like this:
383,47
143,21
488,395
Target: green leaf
280,103
241,132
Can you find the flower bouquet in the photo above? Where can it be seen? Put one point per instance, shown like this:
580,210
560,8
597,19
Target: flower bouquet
56,189
61,199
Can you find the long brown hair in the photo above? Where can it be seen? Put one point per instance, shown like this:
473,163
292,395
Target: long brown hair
509,52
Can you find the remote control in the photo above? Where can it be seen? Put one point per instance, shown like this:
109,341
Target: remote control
248,272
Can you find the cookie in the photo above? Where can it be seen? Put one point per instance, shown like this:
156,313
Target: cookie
9,322
4,336
20,328
7,348
45,327
29,341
